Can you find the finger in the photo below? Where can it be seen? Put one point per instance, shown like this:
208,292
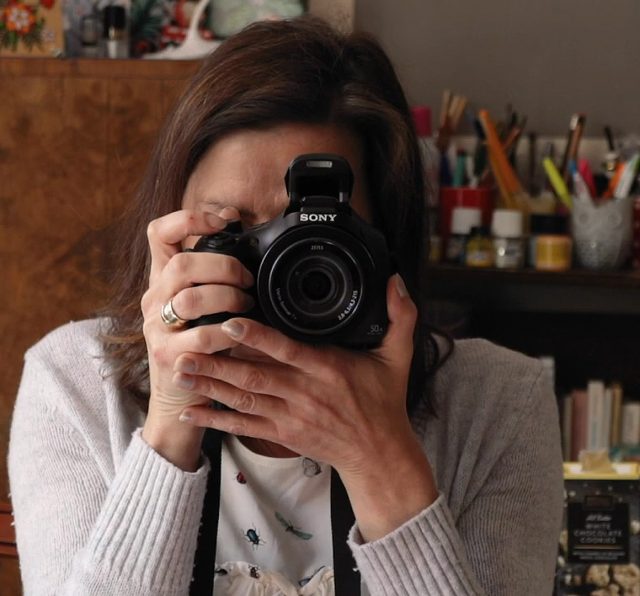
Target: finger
203,340
246,402
196,301
255,377
397,345
272,342
186,269
165,234
231,422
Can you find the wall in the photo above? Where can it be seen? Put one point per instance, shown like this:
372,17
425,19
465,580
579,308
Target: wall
549,58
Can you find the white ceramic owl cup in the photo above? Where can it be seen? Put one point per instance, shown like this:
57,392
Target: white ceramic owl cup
602,234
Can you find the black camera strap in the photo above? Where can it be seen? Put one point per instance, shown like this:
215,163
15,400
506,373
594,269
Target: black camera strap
346,577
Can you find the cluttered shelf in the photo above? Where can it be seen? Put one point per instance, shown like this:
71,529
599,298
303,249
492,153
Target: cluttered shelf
625,279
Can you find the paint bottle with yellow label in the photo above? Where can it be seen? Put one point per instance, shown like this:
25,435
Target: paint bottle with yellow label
479,250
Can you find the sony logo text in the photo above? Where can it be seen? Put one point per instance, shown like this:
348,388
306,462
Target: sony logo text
317,217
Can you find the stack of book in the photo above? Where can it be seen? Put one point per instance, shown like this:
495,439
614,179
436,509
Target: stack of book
598,418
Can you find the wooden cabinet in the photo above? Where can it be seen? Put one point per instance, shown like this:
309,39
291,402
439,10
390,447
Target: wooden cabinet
75,136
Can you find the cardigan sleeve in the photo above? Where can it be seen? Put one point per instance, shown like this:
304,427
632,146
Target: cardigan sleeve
503,543
80,532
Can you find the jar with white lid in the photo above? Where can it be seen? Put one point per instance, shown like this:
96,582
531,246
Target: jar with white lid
462,220
508,239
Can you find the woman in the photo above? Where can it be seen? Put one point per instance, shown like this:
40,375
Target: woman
451,466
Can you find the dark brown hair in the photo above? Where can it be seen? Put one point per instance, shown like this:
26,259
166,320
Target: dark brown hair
272,73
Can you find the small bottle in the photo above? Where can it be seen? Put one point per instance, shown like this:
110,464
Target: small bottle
462,220
508,242
553,252
90,36
479,251
545,224
116,37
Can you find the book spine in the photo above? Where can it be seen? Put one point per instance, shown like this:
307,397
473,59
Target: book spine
579,426
595,399
631,423
605,427
616,413
567,426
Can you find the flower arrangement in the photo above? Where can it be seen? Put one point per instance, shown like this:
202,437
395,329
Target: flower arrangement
20,22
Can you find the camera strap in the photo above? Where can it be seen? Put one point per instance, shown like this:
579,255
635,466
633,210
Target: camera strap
346,577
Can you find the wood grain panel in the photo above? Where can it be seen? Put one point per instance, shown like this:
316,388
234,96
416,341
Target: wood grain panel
75,137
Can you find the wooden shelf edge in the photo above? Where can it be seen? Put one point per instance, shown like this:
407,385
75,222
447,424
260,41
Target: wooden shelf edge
97,68
629,279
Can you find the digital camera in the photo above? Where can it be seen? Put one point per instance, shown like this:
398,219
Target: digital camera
320,270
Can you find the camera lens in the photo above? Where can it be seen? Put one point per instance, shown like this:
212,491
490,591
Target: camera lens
315,285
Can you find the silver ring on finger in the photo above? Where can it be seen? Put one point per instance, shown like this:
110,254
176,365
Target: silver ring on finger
169,316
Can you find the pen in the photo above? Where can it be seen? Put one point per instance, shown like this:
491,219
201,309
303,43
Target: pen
461,168
580,188
499,158
627,177
587,175
576,126
613,182
609,135
557,182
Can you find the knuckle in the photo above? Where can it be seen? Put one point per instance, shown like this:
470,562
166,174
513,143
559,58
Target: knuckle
290,351
188,302
161,356
146,301
237,428
153,230
245,402
147,327
202,340
255,380
179,263
231,268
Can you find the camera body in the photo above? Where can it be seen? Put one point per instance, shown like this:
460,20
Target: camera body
320,270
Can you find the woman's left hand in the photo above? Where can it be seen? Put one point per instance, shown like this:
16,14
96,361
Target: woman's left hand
342,407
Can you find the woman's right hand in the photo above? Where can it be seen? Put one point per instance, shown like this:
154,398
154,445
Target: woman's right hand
197,283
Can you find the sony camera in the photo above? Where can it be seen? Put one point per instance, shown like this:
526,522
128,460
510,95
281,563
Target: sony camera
321,271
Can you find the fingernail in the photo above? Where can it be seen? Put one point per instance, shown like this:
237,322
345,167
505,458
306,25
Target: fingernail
229,213
183,381
185,417
233,329
213,220
400,286
186,365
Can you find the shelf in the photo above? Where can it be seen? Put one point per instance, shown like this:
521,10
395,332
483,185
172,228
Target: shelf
97,68
528,290
573,277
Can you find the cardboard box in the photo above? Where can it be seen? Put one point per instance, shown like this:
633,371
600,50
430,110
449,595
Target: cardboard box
599,550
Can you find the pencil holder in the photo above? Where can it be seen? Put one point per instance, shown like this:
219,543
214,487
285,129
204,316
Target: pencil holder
603,233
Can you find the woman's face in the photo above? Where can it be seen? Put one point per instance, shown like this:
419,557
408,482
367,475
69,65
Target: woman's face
246,169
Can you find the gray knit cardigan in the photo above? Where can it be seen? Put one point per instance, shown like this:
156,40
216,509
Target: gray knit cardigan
98,512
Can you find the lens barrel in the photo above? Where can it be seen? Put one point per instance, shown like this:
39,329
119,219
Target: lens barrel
315,284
